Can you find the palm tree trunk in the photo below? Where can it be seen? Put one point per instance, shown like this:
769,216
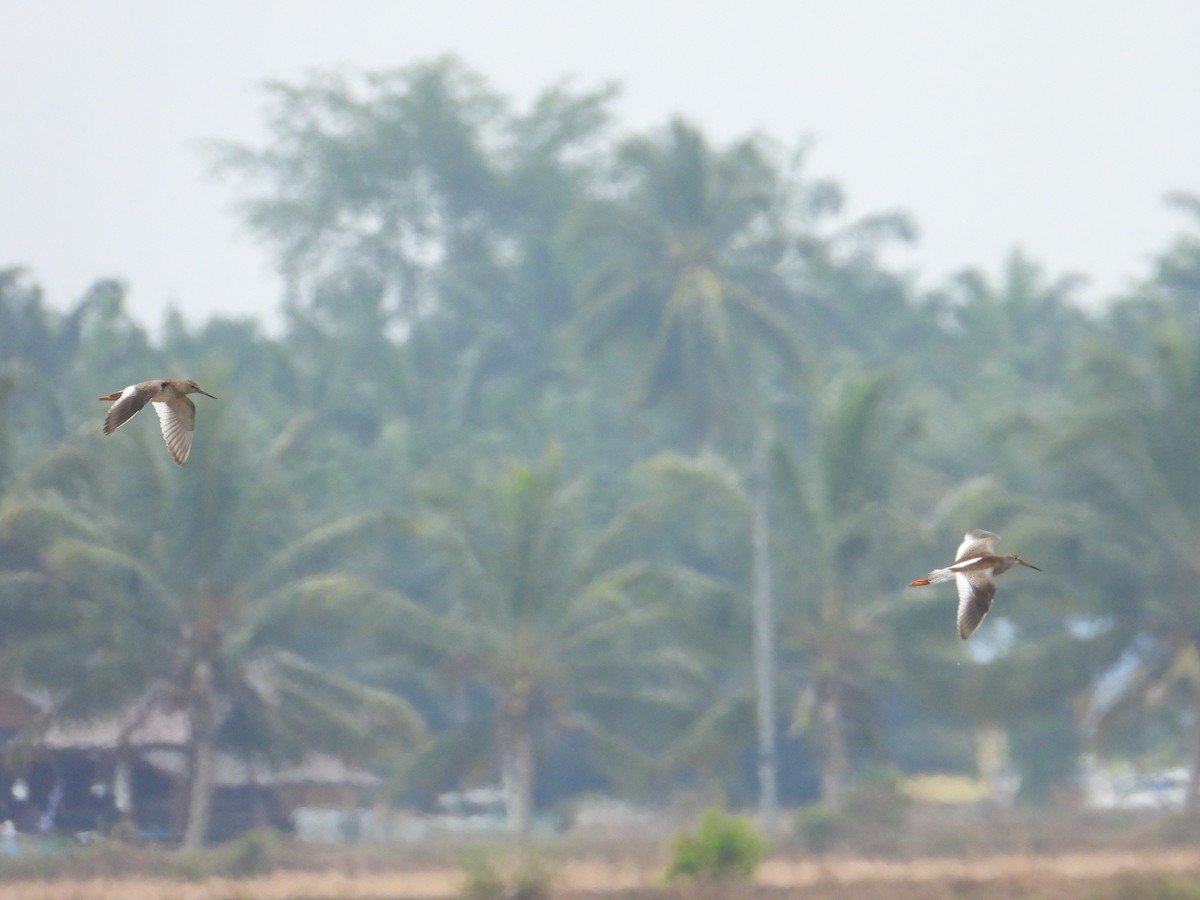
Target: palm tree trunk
518,775
837,756
764,645
123,787
203,758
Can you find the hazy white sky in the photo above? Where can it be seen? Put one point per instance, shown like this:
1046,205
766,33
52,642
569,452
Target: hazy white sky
1056,125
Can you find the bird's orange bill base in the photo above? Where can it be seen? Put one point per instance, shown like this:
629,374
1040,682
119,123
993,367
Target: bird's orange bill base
919,582
112,397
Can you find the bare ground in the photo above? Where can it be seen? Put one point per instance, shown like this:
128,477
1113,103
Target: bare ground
1099,875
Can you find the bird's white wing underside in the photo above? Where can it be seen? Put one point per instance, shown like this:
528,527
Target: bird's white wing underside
975,545
964,563
975,592
178,421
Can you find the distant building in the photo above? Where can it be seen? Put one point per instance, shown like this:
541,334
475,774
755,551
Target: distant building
89,775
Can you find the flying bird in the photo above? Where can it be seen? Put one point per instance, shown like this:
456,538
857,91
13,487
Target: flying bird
974,569
176,413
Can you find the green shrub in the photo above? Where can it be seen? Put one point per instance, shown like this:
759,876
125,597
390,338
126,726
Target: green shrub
530,880
256,852
819,827
190,865
723,848
253,853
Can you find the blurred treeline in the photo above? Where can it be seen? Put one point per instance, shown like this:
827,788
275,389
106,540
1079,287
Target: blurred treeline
554,413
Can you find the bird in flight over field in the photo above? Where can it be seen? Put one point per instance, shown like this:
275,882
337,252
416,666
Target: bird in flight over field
176,413
974,569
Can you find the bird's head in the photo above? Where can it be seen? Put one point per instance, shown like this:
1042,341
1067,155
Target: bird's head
193,388
1025,564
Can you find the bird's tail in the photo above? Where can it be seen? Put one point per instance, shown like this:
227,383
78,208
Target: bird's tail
937,576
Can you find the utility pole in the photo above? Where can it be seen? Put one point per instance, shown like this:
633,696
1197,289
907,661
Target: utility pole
764,642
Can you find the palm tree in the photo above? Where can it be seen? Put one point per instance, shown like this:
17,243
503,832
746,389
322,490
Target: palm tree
1131,456
414,214
550,624
699,512
1176,282
196,595
1128,457
840,499
997,358
44,351
678,277
37,610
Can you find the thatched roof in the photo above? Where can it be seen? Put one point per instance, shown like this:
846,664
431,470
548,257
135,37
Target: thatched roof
316,768
160,736
147,721
131,727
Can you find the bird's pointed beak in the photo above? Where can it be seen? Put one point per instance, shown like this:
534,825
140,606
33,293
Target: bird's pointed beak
111,397
1028,565
207,394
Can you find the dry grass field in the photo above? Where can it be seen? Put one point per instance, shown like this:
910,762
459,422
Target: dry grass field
991,857
1100,875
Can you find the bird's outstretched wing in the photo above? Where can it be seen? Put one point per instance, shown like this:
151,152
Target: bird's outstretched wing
975,592
178,421
129,404
976,542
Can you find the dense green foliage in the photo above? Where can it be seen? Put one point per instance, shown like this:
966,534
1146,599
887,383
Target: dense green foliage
486,507
722,848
